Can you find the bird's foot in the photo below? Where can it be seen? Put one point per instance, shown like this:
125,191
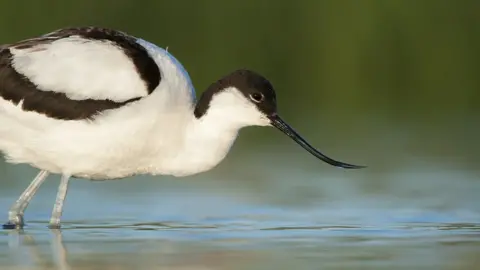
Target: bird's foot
54,226
54,223
15,222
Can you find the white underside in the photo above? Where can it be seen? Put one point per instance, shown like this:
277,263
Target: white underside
156,135
119,143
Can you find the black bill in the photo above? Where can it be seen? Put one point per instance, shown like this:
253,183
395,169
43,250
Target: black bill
290,132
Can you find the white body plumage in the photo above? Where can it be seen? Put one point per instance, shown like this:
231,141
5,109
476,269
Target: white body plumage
158,134
100,104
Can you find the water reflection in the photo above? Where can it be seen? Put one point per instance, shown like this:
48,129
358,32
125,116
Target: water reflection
33,253
449,246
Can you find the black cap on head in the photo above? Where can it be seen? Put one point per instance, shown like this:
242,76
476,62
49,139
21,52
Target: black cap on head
259,91
254,86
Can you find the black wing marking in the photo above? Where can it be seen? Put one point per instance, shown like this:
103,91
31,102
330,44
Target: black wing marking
145,65
18,88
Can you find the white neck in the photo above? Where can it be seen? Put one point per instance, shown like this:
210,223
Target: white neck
205,144
207,140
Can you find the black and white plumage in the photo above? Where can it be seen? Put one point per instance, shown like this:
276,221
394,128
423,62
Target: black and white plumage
100,104
80,72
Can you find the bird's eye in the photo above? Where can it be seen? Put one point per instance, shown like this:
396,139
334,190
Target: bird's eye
257,97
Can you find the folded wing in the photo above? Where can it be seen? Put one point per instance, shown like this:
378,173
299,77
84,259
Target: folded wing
76,73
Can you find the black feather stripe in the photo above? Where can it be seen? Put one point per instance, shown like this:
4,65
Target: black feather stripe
17,88
146,67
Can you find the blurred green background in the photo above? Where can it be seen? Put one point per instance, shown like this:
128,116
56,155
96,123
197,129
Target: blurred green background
396,77
391,84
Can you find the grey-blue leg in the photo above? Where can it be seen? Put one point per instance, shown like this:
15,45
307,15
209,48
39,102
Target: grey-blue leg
15,215
58,207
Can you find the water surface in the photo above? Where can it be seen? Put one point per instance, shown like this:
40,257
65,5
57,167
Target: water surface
254,218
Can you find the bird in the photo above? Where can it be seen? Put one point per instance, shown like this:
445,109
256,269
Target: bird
98,103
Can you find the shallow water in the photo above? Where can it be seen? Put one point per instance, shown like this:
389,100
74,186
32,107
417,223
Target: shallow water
301,215
242,245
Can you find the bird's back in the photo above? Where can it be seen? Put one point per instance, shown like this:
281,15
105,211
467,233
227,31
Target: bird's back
88,100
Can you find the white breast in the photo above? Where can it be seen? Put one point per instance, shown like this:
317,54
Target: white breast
120,142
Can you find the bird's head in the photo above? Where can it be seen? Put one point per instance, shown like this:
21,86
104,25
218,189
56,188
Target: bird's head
245,98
